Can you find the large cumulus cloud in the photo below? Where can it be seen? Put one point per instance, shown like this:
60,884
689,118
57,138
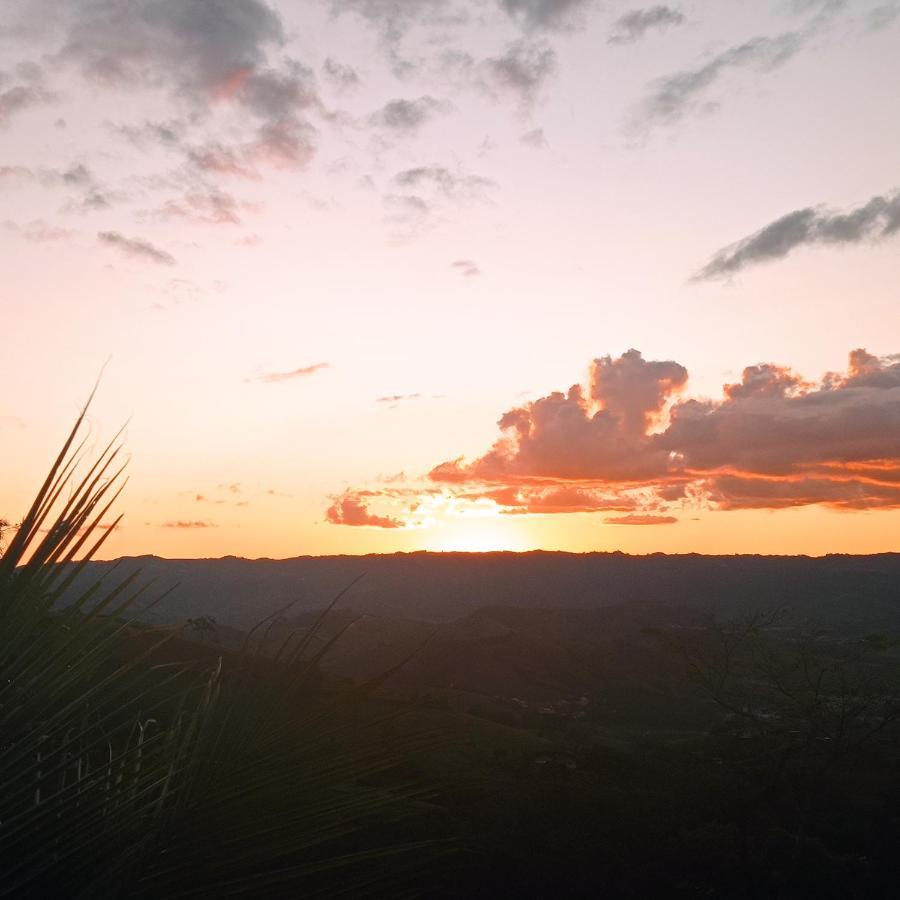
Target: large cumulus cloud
773,440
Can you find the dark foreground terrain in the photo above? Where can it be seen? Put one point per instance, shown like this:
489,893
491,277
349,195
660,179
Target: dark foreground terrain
596,725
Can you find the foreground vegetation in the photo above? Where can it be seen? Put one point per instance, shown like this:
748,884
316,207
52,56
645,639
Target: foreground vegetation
134,763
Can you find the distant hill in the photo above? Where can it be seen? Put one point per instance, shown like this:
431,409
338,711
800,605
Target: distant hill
857,594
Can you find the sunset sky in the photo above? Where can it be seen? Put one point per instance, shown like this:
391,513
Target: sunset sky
379,275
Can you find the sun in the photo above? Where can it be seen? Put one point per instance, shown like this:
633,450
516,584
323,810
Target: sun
478,536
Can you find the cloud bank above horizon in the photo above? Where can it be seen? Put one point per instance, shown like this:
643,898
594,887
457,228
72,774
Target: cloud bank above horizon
628,442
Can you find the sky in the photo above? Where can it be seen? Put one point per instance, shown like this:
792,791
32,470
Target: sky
392,275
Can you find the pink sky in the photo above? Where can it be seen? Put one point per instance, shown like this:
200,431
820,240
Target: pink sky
348,259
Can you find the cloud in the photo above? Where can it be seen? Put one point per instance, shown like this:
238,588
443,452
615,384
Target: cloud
408,211
875,220
15,175
534,138
86,193
341,76
392,17
455,185
408,116
422,192
883,16
351,509
548,14
200,498
205,55
199,48
21,97
38,231
303,372
632,26
165,134
219,159
210,206
640,520
394,399
566,499
676,96
774,440
136,247
520,73
181,523
468,268
28,92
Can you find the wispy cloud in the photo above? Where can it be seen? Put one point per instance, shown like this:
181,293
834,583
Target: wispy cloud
38,231
468,268
676,96
875,220
188,524
135,247
634,25
455,185
546,14
640,520
294,374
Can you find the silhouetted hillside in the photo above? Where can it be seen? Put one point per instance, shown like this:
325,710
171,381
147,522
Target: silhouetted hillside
855,593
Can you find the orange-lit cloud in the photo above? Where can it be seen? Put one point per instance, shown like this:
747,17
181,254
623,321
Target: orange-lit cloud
639,519
351,509
628,443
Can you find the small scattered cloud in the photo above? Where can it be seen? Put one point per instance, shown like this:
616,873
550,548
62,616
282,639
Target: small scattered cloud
293,375
21,97
875,220
188,524
518,74
136,247
455,185
634,25
392,400
351,509
408,116
468,268
215,158
883,16
38,231
210,206
546,14
27,92
637,519
421,194
152,134
342,77
536,139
